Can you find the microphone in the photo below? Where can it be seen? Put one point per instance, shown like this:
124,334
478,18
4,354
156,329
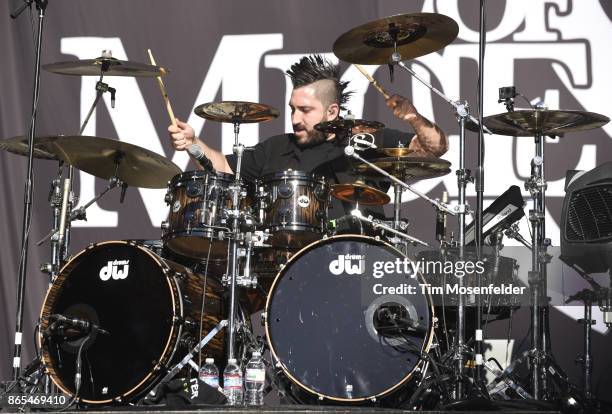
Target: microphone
441,220
124,187
196,152
78,324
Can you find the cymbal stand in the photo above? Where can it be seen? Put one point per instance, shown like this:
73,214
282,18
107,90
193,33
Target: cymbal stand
236,192
540,341
463,177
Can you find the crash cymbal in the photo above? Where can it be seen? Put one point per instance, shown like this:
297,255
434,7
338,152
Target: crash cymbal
353,126
530,122
236,112
359,192
110,67
19,145
416,34
407,167
135,166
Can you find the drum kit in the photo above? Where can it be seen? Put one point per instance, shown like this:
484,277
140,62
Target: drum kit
122,317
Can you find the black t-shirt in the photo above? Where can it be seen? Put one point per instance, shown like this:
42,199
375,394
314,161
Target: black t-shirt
280,152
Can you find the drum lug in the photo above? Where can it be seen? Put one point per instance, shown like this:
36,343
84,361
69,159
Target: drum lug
165,225
373,399
168,198
177,320
264,316
321,398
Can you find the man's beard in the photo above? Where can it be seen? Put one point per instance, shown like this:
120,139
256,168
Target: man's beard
312,138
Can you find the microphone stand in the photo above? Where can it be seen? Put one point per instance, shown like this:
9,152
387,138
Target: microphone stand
41,6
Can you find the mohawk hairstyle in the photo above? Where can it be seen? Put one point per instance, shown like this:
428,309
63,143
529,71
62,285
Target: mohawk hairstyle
314,68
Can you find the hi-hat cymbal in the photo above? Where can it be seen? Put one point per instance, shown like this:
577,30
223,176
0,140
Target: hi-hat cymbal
108,66
354,126
359,192
20,146
415,35
236,112
530,122
407,167
388,152
105,158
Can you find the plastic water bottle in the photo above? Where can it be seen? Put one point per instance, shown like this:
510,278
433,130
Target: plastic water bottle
232,383
209,373
255,380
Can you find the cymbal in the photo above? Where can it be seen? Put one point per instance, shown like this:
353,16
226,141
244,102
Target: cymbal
20,146
137,167
110,67
361,193
407,167
416,34
236,112
354,126
530,122
388,152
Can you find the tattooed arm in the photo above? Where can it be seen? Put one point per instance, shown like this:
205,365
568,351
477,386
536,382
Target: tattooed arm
429,138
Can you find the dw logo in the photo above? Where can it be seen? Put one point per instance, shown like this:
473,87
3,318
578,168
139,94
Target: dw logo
344,263
112,270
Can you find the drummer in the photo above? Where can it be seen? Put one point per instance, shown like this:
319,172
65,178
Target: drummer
318,95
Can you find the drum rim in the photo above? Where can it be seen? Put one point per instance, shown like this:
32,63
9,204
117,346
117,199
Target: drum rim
292,174
186,175
167,353
419,367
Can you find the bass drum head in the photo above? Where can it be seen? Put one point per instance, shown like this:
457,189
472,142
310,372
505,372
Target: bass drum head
327,322
123,289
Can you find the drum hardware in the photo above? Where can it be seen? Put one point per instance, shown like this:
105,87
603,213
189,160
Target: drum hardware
391,40
235,112
377,224
188,359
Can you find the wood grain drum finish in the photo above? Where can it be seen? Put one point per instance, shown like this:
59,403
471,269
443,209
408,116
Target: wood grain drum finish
294,207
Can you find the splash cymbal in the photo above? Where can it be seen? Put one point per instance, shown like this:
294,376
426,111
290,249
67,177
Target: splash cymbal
236,112
353,126
107,66
415,35
530,122
359,192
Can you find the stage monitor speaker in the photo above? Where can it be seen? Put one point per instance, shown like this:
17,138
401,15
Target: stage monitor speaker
586,219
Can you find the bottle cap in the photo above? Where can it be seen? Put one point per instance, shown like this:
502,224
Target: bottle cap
209,360
231,361
256,353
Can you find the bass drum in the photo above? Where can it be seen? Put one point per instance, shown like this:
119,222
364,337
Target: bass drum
345,329
148,305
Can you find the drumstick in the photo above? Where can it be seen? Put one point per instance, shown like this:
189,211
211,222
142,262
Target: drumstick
162,89
373,81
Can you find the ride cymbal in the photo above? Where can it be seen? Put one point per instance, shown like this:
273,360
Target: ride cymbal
105,65
105,158
415,35
236,112
530,122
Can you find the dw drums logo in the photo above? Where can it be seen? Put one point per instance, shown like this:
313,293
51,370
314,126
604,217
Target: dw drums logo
112,270
345,263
